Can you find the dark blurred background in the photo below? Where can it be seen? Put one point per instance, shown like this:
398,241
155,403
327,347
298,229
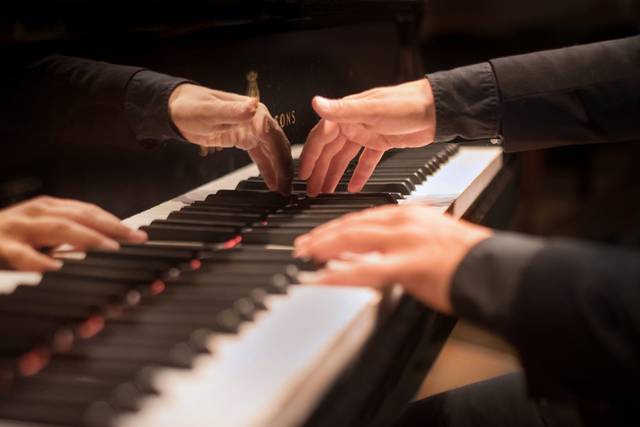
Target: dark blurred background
302,48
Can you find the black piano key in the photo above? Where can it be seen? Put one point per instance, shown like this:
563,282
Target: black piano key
278,283
218,319
240,268
74,415
217,200
45,295
61,312
248,255
76,391
145,252
273,236
215,216
200,206
178,356
121,275
258,198
201,222
194,294
67,366
82,285
159,231
154,265
288,218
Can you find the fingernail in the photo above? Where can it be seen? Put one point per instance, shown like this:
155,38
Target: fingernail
301,240
55,264
322,103
300,253
308,278
138,236
109,244
339,265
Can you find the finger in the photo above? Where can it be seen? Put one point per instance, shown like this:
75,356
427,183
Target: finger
52,231
351,273
322,133
238,136
229,112
367,163
276,145
229,96
381,216
262,161
356,239
99,220
339,165
345,110
23,257
316,180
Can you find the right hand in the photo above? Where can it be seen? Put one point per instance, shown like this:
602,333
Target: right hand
216,119
47,222
379,119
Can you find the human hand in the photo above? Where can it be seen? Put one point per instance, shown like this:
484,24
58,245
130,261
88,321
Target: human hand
413,246
48,221
379,119
216,119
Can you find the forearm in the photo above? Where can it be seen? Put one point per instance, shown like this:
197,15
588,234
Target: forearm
576,95
569,308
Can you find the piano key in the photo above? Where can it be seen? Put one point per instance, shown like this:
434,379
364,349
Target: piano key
154,265
200,206
160,231
56,414
179,356
273,236
278,283
215,216
173,255
76,391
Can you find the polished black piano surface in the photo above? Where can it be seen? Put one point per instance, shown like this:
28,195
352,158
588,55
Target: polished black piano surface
297,48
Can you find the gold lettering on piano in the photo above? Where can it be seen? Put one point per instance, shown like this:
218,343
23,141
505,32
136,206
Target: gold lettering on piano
286,119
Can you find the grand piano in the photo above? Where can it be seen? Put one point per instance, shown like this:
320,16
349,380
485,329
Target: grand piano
206,324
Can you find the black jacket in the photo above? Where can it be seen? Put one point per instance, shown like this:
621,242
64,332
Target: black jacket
67,100
571,308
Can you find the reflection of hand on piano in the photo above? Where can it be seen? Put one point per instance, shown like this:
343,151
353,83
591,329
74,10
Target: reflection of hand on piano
47,221
216,119
379,119
414,246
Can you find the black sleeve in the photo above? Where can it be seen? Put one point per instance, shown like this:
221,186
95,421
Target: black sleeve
576,95
570,308
66,100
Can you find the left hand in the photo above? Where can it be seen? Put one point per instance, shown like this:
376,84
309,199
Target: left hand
413,246
216,119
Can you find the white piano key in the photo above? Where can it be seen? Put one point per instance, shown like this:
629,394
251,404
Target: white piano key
275,371
460,181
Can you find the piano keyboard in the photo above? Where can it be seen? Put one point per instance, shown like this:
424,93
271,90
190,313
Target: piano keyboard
206,325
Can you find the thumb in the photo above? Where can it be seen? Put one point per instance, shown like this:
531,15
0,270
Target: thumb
340,110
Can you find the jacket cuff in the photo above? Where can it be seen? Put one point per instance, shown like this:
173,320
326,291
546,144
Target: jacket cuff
484,285
467,103
147,107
